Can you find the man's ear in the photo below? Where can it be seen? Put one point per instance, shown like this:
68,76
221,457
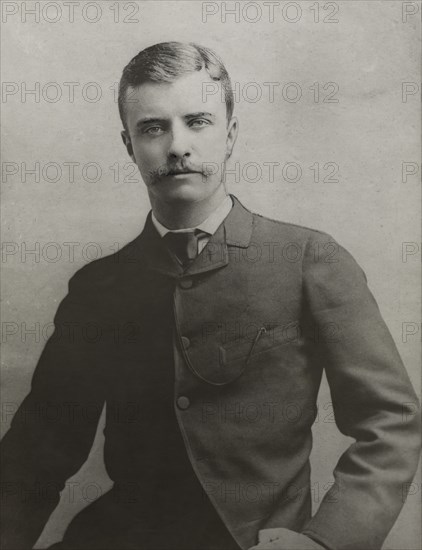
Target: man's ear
128,144
232,131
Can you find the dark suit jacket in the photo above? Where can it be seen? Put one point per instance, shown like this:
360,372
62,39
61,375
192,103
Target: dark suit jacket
258,316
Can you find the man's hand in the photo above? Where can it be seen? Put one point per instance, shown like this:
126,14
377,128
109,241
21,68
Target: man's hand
284,539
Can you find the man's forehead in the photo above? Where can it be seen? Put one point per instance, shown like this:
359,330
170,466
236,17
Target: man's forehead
186,94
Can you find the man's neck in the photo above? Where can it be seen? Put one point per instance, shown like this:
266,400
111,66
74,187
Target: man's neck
182,215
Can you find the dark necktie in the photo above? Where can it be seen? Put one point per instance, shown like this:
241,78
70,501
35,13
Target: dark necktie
184,245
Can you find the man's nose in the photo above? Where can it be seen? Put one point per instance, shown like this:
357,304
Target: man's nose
180,143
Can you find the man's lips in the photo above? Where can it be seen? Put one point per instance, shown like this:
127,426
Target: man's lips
182,172
175,172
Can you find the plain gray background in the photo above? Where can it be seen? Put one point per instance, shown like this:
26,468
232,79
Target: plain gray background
369,55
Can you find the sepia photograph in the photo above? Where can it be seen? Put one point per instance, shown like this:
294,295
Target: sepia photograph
211,260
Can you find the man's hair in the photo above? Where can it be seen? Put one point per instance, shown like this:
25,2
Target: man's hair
167,61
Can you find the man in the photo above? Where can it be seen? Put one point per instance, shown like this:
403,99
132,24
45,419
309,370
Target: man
210,311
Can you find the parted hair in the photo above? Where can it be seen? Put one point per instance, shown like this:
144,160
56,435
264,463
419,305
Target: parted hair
165,62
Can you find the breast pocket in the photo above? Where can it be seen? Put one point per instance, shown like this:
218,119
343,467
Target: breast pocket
235,356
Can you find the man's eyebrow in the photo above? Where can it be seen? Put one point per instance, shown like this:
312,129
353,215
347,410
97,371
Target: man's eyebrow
155,120
199,114
148,120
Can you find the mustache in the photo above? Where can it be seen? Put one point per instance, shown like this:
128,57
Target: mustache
179,168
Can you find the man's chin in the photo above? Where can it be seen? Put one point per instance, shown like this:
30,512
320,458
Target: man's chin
180,189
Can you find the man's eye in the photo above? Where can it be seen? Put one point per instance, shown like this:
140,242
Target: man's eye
199,123
154,130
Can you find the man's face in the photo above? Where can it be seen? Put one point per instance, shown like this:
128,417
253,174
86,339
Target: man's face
179,138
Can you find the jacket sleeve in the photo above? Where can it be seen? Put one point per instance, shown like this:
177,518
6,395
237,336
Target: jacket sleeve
373,402
52,431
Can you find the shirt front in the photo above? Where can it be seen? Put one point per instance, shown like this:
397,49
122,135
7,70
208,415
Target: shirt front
209,225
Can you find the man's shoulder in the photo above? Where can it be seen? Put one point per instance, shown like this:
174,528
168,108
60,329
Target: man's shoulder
105,271
266,227
306,245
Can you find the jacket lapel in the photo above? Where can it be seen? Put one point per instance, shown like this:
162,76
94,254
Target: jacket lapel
235,231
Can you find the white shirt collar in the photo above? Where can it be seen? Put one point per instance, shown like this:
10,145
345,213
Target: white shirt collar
210,225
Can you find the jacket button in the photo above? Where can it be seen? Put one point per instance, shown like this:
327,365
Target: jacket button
187,282
185,342
183,402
